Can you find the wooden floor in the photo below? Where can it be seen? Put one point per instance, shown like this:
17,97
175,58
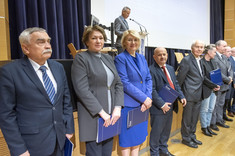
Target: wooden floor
221,145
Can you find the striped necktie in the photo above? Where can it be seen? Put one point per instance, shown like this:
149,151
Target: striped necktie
48,84
168,78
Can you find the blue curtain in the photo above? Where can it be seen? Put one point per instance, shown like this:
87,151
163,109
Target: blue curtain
216,20
64,21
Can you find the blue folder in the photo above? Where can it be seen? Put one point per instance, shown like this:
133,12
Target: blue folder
168,94
216,77
104,133
68,147
135,117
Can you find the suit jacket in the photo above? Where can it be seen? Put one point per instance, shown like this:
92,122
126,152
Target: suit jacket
208,85
233,67
119,27
225,71
159,80
137,83
90,84
28,119
190,79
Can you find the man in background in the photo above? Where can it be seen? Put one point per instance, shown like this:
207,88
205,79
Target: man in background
161,112
227,74
190,78
121,25
231,108
36,114
229,93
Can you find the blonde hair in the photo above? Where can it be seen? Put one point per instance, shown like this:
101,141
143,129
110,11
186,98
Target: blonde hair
133,33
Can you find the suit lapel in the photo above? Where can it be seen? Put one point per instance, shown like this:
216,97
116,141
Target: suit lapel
159,70
57,76
29,70
195,63
133,63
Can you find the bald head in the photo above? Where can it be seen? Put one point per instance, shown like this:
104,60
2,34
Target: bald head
160,56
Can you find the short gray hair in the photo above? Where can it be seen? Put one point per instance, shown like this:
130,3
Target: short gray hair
197,41
219,42
125,8
25,35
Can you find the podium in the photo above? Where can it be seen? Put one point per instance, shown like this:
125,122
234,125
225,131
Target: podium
143,35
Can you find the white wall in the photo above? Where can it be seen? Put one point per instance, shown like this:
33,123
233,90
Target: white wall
170,23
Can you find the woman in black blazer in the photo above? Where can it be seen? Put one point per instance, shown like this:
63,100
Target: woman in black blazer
209,87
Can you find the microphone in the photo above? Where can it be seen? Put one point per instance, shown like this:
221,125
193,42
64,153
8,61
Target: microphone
138,24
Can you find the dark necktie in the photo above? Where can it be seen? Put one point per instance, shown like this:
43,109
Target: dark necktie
168,78
48,84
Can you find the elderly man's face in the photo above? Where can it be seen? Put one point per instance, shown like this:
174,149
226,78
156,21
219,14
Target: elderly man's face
39,48
228,52
222,47
197,49
160,56
233,52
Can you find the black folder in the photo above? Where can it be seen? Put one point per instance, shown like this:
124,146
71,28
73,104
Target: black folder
104,133
216,77
168,94
135,116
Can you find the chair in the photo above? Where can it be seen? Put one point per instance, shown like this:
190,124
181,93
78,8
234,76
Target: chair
73,50
179,56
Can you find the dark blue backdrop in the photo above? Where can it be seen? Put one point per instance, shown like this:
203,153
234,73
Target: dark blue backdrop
64,21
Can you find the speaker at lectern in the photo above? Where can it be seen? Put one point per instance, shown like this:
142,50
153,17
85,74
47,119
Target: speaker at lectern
143,35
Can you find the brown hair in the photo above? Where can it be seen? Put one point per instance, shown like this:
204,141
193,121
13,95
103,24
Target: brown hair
89,30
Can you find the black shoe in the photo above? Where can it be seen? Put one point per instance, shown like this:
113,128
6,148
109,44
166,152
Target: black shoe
190,144
214,127
161,153
206,132
222,125
197,141
210,131
227,119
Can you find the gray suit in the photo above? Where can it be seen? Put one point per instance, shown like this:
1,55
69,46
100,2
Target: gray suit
190,80
120,26
90,83
226,72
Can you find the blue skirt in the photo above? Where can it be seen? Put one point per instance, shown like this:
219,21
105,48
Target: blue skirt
133,136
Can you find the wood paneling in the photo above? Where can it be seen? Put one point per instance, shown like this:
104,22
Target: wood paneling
229,22
4,31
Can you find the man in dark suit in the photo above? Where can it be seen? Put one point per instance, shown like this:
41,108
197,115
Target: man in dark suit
231,108
227,74
161,112
121,25
229,93
190,78
35,110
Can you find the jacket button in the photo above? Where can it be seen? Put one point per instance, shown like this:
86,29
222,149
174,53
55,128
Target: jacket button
54,122
141,81
53,108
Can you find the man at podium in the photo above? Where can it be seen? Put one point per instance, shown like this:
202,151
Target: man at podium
121,25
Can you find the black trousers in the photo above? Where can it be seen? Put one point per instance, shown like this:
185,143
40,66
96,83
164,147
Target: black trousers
99,149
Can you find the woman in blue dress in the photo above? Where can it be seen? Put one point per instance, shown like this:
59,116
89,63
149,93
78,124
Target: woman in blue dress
137,84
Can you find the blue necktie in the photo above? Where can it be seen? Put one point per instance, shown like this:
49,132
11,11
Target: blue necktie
48,84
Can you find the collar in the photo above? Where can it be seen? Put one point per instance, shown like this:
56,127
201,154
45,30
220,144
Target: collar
219,54
36,66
